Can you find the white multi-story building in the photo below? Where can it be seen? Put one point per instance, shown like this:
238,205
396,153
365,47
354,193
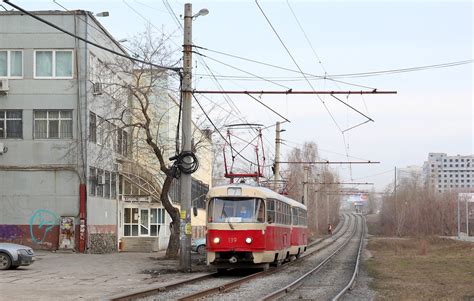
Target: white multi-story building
444,173
410,174
69,171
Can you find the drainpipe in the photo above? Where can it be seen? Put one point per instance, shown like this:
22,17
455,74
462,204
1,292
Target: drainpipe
83,140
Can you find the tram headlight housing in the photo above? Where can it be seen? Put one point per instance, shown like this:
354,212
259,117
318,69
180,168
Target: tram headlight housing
248,240
216,240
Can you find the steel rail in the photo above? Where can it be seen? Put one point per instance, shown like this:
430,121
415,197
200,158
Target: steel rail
356,268
134,295
298,282
237,283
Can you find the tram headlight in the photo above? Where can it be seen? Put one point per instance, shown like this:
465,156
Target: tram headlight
216,240
248,240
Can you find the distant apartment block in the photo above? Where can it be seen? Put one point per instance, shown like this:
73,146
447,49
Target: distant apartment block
410,174
449,173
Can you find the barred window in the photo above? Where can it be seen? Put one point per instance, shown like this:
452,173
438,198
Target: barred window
92,127
92,180
11,124
53,124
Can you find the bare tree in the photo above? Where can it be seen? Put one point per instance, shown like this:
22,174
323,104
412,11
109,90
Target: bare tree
416,210
322,204
151,115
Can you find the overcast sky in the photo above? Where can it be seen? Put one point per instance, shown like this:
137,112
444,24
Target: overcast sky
432,112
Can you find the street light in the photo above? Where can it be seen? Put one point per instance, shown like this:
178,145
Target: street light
102,14
202,12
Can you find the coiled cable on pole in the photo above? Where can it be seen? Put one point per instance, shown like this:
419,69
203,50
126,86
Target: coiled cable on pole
185,162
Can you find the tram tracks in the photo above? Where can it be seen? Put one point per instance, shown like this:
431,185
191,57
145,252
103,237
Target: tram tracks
215,285
327,280
263,285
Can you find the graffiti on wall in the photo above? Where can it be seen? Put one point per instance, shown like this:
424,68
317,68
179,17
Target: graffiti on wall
46,220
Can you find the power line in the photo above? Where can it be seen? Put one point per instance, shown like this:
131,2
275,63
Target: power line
333,77
89,42
215,127
241,70
294,61
306,37
263,104
402,70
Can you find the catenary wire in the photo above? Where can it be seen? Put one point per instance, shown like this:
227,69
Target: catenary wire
87,41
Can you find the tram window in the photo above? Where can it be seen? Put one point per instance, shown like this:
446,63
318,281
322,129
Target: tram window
271,205
236,210
295,216
209,212
270,211
260,212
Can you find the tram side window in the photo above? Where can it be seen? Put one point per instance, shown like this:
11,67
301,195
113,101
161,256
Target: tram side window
278,212
270,211
260,211
295,214
302,216
209,212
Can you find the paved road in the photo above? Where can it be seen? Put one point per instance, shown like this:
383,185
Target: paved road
70,276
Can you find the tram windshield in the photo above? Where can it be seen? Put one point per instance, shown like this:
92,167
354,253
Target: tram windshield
236,210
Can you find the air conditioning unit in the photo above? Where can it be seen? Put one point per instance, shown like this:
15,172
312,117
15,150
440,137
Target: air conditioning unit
4,86
97,89
100,180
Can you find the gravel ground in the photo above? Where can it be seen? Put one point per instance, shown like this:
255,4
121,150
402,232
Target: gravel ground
260,287
361,289
326,283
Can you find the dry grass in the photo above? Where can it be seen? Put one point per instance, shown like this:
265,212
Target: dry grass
421,268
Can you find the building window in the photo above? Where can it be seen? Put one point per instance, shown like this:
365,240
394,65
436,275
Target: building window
100,183
113,185
157,219
11,64
53,124
92,127
100,130
92,180
107,185
130,222
11,125
53,64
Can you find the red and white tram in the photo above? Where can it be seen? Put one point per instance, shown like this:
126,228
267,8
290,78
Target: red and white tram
251,226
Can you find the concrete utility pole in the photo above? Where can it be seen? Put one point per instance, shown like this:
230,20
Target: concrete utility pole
395,184
327,208
185,179
305,185
186,138
277,156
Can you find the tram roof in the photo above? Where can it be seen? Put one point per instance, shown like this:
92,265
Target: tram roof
268,193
